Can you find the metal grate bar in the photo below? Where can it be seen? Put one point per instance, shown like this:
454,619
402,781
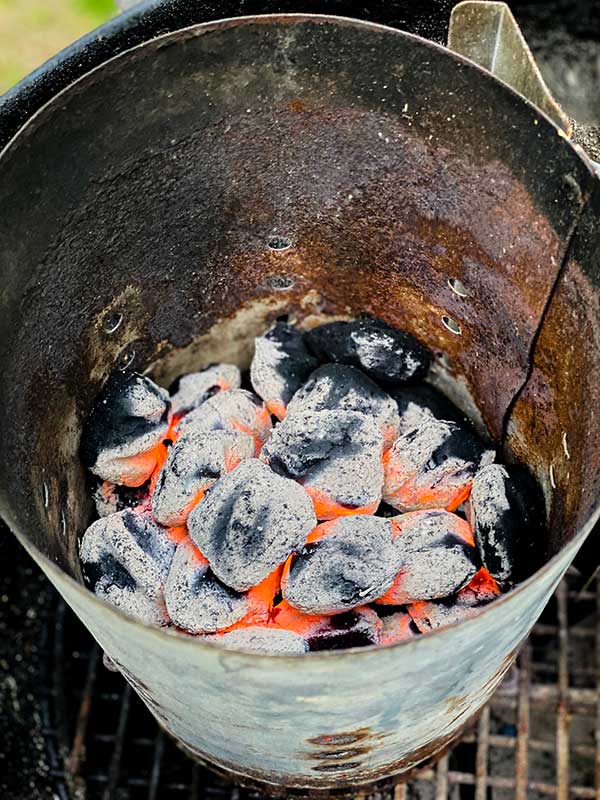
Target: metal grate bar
522,746
73,761
115,762
441,780
481,758
562,716
159,747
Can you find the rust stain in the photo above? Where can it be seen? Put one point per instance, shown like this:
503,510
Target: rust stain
341,739
297,105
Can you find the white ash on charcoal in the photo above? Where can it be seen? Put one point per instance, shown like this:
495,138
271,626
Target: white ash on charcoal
280,366
435,554
428,616
122,435
507,512
249,523
384,353
396,626
418,404
195,388
256,639
236,409
346,563
110,498
343,388
335,455
198,602
195,462
433,466
126,559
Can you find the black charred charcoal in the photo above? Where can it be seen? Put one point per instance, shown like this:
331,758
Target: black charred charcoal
196,600
353,564
257,639
419,403
382,352
280,366
110,498
193,389
509,520
126,559
343,388
195,462
435,554
335,455
130,418
433,466
249,522
357,628
236,409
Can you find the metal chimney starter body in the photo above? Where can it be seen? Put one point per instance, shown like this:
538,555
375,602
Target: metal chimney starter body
147,192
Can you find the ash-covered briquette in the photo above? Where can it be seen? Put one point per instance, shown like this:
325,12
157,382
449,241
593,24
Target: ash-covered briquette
257,639
195,599
336,387
428,616
335,455
348,563
280,366
417,404
382,352
128,422
360,627
397,627
195,462
237,409
508,516
195,388
110,498
126,559
433,466
435,554
249,522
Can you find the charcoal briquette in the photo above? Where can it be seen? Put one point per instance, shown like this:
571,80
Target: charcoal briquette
257,639
128,423
435,554
417,404
280,366
433,466
336,387
195,388
397,627
126,559
508,517
196,600
355,562
236,409
249,522
110,498
360,627
335,455
382,352
195,462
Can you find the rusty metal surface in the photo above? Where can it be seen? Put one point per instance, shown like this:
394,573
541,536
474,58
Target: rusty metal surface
151,188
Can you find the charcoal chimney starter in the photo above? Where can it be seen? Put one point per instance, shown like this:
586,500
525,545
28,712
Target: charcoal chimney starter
168,206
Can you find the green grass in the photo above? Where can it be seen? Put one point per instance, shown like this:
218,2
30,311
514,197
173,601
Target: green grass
33,30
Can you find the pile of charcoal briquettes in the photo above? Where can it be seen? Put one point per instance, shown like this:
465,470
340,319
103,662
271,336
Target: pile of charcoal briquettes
341,502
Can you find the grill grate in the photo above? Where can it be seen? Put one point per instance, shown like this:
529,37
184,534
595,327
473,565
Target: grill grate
539,737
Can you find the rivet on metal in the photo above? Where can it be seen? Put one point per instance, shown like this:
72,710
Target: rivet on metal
279,243
457,287
112,322
451,325
281,283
